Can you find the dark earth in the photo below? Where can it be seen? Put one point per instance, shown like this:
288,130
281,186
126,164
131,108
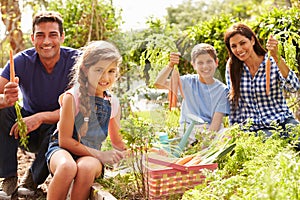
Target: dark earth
24,162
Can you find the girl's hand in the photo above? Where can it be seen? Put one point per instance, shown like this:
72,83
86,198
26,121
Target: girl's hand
272,46
111,157
174,59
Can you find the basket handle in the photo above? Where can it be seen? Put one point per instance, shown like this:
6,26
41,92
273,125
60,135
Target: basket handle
167,164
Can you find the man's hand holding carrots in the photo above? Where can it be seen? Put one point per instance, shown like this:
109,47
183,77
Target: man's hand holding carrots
10,93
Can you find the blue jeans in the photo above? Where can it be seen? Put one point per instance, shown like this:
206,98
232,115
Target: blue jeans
284,125
37,143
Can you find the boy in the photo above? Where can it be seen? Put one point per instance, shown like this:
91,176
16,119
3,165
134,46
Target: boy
203,96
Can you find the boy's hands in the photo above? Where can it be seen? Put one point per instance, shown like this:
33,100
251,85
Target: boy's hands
174,59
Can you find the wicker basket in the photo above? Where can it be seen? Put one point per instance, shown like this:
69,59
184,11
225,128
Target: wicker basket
164,178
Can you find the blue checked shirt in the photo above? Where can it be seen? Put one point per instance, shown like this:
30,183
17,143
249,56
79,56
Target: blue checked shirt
254,104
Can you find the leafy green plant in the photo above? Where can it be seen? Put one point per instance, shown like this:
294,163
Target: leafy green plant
139,135
87,20
22,127
121,186
284,25
258,168
157,53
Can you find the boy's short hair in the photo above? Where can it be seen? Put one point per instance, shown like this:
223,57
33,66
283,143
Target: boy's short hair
48,16
203,48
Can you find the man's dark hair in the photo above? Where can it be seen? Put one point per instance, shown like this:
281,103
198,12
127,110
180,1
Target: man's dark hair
48,16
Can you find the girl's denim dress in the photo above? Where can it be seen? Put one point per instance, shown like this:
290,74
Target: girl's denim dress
97,131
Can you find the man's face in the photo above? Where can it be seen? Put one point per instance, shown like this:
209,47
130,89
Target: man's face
47,40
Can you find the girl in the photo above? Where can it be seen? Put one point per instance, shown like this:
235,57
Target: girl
246,79
88,113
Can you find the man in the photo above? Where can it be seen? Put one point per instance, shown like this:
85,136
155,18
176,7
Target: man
42,74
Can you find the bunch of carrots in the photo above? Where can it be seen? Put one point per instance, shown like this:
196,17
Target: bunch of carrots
208,155
175,84
189,160
21,124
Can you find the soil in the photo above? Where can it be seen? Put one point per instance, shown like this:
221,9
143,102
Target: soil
24,162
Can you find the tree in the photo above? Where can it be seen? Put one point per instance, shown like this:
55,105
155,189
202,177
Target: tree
87,20
11,17
191,12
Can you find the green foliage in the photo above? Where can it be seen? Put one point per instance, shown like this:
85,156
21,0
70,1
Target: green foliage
121,186
86,20
157,52
153,47
139,135
190,12
4,53
258,168
165,120
22,127
137,132
284,25
159,44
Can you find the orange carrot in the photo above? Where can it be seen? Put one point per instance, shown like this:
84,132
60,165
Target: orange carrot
182,161
12,67
195,161
268,71
173,89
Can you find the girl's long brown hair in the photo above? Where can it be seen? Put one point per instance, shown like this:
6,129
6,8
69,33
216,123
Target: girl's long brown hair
91,54
236,65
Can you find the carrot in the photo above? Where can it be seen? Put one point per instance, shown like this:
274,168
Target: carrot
268,71
172,95
182,161
173,89
194,161
12,67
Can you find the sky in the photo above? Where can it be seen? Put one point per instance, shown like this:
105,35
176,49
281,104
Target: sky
134,13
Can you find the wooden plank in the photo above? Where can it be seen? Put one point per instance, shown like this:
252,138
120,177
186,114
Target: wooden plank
97,193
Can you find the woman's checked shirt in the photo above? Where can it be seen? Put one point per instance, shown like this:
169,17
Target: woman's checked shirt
255,104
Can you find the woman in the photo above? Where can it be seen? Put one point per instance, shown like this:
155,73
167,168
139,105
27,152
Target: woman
246,79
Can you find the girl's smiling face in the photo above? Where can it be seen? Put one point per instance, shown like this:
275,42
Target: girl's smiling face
101,76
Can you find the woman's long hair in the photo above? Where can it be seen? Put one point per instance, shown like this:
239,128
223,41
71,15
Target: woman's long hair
236,65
